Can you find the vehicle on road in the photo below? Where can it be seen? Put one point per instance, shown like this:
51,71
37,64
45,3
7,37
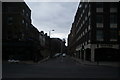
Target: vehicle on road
13,61
63,54
57,55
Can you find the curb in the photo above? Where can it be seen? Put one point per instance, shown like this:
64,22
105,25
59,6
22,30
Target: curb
25,62
28,62
43,60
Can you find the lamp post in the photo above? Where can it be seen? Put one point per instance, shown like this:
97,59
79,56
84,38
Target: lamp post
62,44
50,32
50,42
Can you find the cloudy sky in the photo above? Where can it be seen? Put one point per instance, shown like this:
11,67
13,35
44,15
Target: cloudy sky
53,15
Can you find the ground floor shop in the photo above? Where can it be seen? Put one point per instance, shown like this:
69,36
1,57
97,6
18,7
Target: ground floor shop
21,50
98,52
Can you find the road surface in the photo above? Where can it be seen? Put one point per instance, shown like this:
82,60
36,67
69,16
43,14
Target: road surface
58,68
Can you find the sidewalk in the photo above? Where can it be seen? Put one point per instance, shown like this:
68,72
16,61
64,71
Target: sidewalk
43,60
112,64
27,62
31,62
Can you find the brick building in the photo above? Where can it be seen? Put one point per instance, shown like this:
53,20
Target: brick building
20,38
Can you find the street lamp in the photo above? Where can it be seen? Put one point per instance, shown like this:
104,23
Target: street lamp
50,32
50,42
62,44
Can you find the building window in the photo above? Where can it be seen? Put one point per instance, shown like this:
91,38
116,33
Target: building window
26,24
83,22
23,11
113,25
89,27
83,44
113,18
83,11
99,18
99,4
86,5
81,15
86,30
22,35
23,21
89,20
113,21
99,35
83,33
113,10
88,41
89,13
99,9
113,39
27,14
11,9
10,20
86,18
99,25
113,35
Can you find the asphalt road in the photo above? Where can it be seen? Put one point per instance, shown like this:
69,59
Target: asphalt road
58,68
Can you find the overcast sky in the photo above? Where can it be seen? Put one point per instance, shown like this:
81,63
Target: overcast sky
53,15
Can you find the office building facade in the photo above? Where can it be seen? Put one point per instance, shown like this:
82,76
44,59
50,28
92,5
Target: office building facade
95,32
19,37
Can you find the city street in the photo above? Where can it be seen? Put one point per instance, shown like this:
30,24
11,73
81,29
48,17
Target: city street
63,39
58,68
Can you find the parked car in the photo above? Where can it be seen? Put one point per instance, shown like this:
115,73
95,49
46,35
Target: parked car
13,61
57,55
63,54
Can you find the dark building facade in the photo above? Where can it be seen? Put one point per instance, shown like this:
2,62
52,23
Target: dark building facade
20,38
16,20
95,32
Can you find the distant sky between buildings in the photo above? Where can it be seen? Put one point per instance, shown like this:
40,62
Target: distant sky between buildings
53,15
